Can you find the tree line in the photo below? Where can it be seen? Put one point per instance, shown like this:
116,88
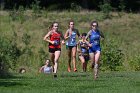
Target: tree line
127,5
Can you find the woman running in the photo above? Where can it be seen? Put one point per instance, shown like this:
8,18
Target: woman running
83,51
94,46
53,37
70,35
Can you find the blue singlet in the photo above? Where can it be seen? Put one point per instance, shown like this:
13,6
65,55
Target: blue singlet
72,39
95,41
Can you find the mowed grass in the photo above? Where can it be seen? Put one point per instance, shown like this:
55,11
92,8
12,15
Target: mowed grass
108,82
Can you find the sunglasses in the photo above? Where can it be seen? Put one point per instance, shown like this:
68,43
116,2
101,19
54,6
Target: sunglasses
94,25
55,26
71,24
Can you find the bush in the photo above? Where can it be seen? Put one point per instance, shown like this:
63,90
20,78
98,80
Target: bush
42,56
75,7
18,15
112,56
106,9
36,8
9,53
135,63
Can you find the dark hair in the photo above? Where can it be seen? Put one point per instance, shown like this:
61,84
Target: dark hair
21,70
84,34
49,62
94,22
48,59
70,21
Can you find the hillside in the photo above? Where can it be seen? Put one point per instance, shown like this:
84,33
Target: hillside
123,29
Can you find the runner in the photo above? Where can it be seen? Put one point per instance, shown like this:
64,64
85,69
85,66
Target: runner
53,37
70,35
94,46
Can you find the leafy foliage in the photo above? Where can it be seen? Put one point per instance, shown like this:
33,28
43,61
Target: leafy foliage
36,9
106,9
75,7
9,53
65,4
18,15
135,63
42,55
112,56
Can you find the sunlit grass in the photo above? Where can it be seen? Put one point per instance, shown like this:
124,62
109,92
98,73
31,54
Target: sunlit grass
124,30
111,82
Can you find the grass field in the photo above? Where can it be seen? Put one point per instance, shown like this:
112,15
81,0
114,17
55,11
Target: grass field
124,30
109,82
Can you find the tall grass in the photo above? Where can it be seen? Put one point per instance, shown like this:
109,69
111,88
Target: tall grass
124,30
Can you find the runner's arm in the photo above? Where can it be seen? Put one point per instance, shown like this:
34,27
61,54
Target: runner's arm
46,38
62,36
78,33
78,44
66,35
41,69
88,34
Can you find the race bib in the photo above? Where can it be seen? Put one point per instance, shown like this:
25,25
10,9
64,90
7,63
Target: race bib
56,42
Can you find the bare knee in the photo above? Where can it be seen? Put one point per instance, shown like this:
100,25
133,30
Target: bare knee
83,61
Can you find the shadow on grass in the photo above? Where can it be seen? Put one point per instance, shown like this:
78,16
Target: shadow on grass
77,74
18,76
137,84
13,81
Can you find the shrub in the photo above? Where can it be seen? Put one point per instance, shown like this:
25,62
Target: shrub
106,8
122,5
42,56
36,8
135,63
75,7
18,15
112,56
9,53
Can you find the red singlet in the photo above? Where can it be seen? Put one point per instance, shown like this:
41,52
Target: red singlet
55,37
